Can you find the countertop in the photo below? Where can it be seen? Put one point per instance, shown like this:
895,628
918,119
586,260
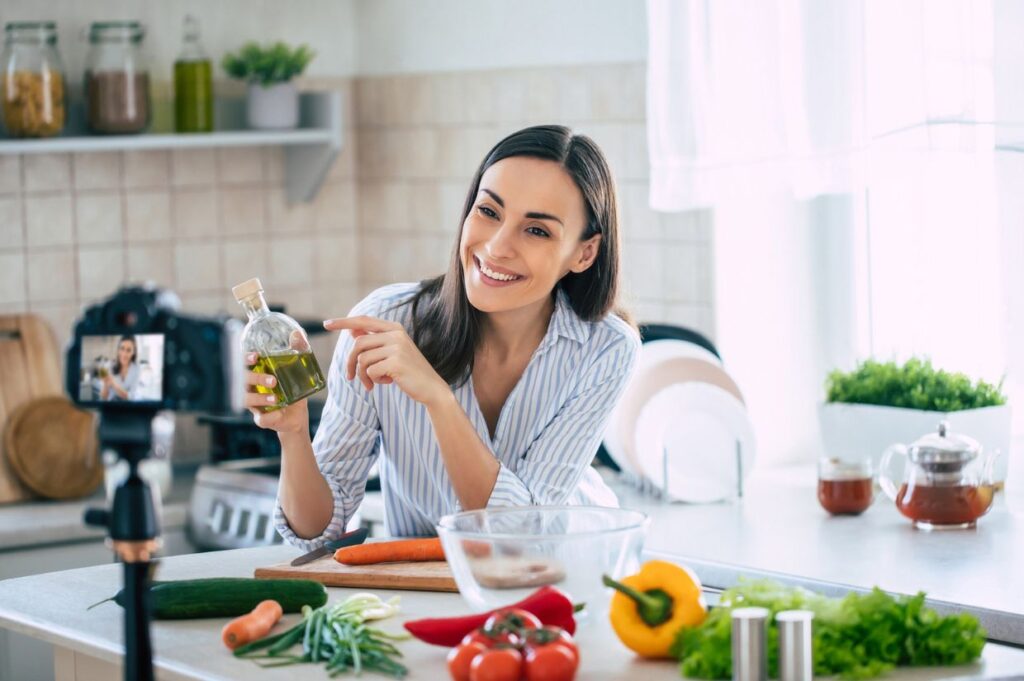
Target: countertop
53,607
779,530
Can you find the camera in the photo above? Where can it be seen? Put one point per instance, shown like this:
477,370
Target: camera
135,352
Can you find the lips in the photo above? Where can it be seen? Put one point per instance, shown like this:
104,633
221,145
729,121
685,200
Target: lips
497,275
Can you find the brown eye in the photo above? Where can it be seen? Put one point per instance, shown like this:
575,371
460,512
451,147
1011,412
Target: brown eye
487,211
537,231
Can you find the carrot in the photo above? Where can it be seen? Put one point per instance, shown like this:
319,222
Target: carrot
391,551
252,626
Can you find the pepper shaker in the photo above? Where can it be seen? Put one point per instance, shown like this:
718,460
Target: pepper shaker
749,654
796,661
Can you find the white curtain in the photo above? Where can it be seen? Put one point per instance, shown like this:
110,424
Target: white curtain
857,133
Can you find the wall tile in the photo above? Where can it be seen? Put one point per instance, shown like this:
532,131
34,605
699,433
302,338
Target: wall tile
243,260
284,217
542,100
147,215
48,221
193,167
197,266
480,97
150,262
273,163
291,262
242,165
611,138
100,271
683,269
336,259
698,317
384,207
636,220
95,170
60,317
195,213
453,200
638,165
241,211
344,168
332,300
47,172
10,174
146,169
574,94
643,269
448,98
51,275
425,207
12,227
98,218
617,93
12,278
418,153
511,100
336,209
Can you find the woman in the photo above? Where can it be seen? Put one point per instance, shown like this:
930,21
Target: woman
121,381
487,386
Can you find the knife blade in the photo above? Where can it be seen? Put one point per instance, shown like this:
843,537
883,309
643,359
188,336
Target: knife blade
348,539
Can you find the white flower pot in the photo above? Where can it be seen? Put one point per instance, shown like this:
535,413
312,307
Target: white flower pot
854,432
273,107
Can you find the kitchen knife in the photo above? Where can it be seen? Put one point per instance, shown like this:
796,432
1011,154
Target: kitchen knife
348,539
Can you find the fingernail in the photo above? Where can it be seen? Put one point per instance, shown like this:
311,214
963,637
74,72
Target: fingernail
326,322
271,399
269,380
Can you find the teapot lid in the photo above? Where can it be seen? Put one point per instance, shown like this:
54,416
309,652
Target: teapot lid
944,447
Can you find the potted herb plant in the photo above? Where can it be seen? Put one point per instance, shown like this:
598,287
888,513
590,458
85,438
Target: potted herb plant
883,403
272,101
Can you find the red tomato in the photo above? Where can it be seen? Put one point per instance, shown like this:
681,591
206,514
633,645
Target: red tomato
497,664
512,619
552,636
461,656
550,663
493,637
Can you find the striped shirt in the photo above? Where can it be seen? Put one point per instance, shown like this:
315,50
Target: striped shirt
547,433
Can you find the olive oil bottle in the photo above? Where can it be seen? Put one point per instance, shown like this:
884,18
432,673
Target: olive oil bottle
193,84
281,346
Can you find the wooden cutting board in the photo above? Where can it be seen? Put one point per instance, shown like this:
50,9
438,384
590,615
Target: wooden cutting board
425,576
29,368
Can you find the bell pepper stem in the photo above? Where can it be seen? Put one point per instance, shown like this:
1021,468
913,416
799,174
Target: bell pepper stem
653,609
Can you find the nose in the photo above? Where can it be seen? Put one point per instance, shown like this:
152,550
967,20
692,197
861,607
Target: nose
501,244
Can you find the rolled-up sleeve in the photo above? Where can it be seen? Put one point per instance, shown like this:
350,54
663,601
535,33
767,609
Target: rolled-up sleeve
556,461
346,446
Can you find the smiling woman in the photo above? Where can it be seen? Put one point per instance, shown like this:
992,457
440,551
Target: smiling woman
486,386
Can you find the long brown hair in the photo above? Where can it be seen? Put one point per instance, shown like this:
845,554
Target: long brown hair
135,352
446,327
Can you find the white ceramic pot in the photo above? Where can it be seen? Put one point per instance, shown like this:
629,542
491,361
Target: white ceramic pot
273,107
854,432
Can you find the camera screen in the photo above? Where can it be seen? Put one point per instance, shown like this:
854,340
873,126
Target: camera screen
122,368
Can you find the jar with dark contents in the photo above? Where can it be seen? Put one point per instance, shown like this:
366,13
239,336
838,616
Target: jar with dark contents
845,487
32,81
117,98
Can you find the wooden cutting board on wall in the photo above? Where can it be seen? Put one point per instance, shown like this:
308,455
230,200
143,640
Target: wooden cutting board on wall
421,576
29,368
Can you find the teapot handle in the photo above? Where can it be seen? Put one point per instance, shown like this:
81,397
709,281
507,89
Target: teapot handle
890,488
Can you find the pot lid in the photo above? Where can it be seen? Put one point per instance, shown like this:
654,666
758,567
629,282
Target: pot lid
944,447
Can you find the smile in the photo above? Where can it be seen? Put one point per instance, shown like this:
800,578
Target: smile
495,276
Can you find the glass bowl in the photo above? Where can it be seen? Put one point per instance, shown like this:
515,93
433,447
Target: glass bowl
499,556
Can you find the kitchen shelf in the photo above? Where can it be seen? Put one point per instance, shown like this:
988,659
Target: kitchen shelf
310,149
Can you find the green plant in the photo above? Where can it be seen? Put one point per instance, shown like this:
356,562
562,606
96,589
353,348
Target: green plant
914,385
276,63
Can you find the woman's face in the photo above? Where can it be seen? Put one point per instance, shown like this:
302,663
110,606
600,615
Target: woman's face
125,350
523,234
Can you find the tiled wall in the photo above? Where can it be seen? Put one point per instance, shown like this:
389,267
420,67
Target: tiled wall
421,137
76,226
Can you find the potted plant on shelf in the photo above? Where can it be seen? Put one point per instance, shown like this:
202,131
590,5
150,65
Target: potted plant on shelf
883,403
272,101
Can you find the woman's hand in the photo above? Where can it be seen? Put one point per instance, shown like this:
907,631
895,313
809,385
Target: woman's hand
384,353
292,419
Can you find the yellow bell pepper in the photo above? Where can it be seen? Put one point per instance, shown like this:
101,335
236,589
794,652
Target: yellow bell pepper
649,608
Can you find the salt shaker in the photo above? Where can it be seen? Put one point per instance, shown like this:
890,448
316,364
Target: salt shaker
796,662
749,654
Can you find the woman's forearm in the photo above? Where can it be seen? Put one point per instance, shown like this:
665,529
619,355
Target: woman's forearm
306,498
472,468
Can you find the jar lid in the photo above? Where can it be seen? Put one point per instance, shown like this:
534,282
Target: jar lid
31,31
247,289
115,31
944,447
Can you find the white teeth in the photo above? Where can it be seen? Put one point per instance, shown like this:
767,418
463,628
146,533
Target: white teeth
495,275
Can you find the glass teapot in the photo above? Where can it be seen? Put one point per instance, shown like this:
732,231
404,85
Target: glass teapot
946,481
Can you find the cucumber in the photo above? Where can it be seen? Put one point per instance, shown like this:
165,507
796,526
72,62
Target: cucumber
227,596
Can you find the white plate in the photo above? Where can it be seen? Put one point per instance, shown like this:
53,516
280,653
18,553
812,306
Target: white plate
686,442
650,354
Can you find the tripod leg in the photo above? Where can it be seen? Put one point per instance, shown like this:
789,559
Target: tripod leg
138,647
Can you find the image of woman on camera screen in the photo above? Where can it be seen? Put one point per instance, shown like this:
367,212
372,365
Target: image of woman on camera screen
489,385
122,381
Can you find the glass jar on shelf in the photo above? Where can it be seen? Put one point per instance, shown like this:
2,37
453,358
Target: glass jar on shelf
193,83
117,97
33,80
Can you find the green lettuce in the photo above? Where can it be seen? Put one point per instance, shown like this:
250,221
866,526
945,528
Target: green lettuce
859,636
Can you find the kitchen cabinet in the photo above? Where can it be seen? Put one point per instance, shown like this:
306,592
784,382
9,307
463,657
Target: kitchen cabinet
310,149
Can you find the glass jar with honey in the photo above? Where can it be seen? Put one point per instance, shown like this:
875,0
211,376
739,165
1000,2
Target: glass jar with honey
281,346
845,487
946,481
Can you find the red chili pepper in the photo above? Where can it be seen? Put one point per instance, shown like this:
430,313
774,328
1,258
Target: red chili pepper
549,604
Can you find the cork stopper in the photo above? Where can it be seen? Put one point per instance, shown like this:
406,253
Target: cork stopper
247,289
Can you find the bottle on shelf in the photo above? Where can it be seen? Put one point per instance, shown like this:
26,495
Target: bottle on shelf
193,83
282,348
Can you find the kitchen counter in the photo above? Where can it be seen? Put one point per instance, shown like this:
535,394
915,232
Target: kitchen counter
778,530
88,643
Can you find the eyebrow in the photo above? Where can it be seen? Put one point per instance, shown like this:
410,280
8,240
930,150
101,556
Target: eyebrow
532,214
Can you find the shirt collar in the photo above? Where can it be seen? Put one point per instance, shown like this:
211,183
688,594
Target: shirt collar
565,322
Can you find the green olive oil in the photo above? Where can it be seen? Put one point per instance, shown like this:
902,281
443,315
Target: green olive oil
193,83
298,376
